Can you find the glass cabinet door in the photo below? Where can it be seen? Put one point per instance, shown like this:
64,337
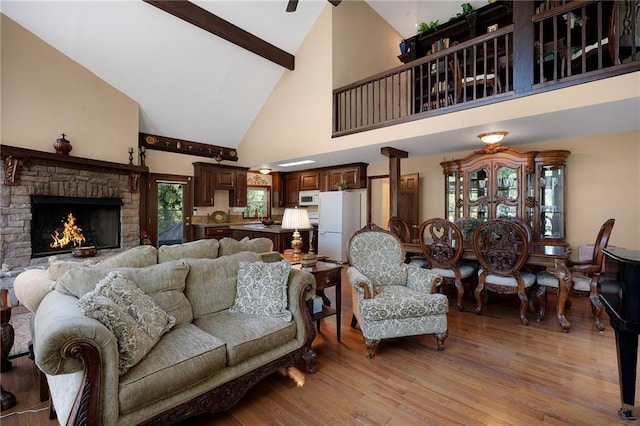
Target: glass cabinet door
507,191
551,202
478,194
452,196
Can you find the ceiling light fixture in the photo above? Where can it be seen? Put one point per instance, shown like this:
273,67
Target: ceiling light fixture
296,163
492,137
264,170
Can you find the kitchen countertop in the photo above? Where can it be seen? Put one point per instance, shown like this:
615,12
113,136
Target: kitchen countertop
258,227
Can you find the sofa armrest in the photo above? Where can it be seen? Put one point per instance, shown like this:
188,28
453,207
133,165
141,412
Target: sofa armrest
270,256
31,286
360,283
423,280
302,288
67,341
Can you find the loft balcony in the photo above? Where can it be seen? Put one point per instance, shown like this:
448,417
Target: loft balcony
538,48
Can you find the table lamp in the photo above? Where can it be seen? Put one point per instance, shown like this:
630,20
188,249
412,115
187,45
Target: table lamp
296,219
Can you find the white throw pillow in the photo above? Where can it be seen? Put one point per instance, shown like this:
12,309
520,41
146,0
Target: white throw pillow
262,289
133,317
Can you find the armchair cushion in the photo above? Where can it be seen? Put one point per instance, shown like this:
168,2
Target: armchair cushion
134,318
262,289
395,302
390,275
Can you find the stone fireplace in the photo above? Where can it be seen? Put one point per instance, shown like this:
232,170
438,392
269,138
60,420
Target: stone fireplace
105,194
98,220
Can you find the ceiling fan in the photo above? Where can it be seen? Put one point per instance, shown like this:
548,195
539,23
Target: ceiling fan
293,4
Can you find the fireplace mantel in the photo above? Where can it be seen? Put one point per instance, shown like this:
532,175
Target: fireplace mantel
14,158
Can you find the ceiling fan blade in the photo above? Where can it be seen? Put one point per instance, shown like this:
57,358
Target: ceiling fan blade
334,2
292,5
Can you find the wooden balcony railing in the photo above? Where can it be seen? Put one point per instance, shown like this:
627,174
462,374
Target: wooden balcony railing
573,43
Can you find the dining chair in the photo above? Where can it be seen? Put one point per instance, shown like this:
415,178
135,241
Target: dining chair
502,248
581,277
400,228
442,244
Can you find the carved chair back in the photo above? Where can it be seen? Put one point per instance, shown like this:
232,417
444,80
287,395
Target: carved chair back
601,242
441,242
501,246
373,246
398,227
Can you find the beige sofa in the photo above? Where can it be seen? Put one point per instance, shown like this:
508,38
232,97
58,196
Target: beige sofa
210,357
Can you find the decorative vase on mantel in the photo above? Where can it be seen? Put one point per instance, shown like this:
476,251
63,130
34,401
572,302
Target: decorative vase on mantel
62,145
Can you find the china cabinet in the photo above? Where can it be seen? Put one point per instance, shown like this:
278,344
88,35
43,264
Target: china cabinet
499,181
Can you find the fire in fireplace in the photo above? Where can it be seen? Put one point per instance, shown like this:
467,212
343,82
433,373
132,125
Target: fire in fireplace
96,220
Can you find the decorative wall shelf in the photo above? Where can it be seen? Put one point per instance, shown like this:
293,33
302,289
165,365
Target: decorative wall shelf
180,146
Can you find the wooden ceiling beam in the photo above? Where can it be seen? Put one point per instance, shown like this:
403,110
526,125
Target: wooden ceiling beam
213,24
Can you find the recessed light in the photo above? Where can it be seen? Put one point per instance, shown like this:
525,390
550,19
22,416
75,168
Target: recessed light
296,163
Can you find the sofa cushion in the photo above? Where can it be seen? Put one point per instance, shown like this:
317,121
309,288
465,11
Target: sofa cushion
207,248
133,317
246,336
136,257
58,267
211,283
262,289
230,246
397,302
184,357
164,283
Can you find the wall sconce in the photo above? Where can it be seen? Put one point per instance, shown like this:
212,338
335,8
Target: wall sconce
492,137
264,170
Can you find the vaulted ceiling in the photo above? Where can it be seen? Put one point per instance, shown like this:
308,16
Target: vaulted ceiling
188,83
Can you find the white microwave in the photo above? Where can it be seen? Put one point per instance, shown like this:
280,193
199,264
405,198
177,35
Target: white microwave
309,198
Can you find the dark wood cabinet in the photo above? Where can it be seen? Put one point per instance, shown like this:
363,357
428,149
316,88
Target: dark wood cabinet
210,177
498,181
281,240
293,189
309,180
278,189
204,182
354,175
201,232
225,178
238,196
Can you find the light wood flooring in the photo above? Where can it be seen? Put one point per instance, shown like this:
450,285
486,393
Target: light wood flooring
493,371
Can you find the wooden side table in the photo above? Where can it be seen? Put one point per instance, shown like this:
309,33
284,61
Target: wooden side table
328,275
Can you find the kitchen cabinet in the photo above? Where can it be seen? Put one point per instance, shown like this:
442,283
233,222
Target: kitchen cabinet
210,177
204,182
281,238
354,175
498,181
309,180
201,232
293,189
278,189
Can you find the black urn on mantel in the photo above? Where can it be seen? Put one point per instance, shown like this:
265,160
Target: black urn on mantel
62,145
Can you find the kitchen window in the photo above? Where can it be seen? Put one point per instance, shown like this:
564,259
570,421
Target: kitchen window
258,202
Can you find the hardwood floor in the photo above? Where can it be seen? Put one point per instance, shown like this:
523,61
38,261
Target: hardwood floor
493,371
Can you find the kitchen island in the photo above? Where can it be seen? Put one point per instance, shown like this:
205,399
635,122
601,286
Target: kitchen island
281,237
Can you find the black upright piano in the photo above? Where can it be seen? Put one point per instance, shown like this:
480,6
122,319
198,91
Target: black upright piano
620,294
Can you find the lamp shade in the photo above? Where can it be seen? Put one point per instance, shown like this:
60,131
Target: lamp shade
295,219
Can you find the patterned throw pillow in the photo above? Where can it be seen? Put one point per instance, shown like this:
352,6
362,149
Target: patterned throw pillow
131,315
262,289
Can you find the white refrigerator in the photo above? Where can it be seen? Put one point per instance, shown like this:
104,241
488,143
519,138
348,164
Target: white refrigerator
338,219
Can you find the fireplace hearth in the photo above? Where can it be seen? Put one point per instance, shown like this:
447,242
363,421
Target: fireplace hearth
98,219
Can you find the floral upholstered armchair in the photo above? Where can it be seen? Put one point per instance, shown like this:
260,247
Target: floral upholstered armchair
390,298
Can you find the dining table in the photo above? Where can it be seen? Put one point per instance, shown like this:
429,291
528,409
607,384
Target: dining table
549,257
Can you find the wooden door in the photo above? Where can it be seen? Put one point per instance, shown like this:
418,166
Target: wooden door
157,229
409,202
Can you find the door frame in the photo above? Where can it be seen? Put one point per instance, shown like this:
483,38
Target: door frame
150,223
415,207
